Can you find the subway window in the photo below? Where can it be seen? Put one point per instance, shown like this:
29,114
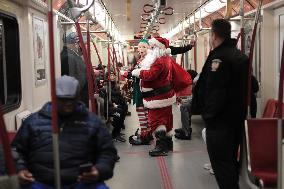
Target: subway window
10,71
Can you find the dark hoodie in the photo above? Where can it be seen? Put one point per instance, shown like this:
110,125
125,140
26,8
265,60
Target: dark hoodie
83,138
220,93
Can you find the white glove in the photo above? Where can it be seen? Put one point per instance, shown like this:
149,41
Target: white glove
136,72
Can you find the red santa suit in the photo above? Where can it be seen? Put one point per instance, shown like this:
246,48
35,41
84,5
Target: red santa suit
157,91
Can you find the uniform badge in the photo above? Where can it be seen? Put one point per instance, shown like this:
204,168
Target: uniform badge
215,64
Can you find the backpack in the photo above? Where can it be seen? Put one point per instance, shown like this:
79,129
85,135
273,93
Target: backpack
180,78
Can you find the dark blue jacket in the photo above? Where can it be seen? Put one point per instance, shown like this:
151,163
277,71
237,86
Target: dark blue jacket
83,138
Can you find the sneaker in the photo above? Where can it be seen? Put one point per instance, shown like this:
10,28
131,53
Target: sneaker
179,130
207,166
117,158
183,136
137,140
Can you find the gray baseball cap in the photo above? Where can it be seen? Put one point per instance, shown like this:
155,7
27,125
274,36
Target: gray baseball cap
71,38
67,87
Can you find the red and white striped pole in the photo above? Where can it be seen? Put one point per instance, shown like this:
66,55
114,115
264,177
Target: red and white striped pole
11,170
55,129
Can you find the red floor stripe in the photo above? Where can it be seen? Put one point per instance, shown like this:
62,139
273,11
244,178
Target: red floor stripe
162,173
162,167
166,180
169,182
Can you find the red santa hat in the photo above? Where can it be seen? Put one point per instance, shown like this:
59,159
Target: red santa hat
161,43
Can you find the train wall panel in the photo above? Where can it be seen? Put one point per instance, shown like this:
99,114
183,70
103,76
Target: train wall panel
268,69
35,92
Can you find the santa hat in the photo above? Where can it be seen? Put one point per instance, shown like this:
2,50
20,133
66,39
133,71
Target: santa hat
161,43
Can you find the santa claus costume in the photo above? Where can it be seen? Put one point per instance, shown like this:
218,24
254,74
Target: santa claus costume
158,94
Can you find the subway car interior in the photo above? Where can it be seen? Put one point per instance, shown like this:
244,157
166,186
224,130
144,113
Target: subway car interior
143,80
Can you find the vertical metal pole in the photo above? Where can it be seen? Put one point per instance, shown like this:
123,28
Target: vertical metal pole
95,46
122,50
55,129
279,124
200,21
242,26
88,68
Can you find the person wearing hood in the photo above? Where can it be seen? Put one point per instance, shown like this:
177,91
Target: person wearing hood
83,140
220,97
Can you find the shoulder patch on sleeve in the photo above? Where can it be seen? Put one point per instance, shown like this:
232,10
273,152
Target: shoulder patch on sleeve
215,64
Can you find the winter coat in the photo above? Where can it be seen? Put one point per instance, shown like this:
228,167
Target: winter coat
73,65
83,138
221,90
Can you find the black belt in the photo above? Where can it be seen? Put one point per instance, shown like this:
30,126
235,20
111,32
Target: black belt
156,92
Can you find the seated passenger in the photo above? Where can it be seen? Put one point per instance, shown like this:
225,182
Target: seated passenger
184,133
83,139
117,108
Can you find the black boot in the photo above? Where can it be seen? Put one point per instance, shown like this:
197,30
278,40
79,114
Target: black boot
162,147
184,135
170,143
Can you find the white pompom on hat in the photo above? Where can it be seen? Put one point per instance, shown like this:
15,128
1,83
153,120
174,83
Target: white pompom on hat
160,42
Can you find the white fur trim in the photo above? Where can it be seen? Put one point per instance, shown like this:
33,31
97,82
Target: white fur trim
170,133
146,89
168,51
154,41
159,103
161,128
136,72
148,60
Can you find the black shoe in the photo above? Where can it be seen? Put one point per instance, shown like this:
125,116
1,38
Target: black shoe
137,140
162,146
179,130
183,136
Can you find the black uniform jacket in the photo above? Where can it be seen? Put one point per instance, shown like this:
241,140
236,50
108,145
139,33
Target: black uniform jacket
220,93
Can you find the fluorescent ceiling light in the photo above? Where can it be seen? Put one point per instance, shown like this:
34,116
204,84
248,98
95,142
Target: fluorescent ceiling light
209,8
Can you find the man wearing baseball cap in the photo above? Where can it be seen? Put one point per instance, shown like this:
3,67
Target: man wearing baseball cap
84,142
73,65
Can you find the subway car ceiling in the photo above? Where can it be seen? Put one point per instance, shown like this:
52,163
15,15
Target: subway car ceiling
126,20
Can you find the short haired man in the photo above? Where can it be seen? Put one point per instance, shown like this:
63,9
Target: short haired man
219,96
83,139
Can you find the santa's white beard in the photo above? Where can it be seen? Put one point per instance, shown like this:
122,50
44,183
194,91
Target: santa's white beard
148,60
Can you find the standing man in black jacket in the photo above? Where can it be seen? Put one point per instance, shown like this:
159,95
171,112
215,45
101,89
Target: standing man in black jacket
220,97
87,154
73,65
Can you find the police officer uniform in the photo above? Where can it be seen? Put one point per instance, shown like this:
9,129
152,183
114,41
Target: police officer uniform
220,96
